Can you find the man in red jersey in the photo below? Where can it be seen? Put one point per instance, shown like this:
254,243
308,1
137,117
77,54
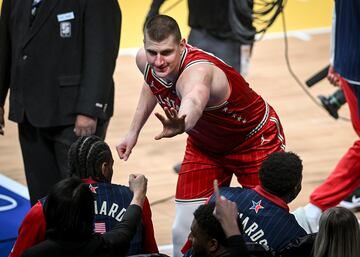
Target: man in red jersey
231,128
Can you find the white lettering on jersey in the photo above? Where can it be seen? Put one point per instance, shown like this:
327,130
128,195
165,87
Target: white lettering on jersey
167,101
95,207
113,209
255,237
253,231
103,208
264,242
121,214
159,99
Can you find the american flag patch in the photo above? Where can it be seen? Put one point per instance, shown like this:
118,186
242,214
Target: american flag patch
100,227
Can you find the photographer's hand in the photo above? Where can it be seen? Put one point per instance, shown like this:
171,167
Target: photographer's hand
333,77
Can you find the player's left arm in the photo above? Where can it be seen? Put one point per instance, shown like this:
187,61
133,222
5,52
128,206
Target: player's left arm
193,87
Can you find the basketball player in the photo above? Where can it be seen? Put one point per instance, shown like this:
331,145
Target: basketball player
231,128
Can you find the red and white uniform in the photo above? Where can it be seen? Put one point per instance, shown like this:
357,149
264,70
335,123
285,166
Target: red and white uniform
231,138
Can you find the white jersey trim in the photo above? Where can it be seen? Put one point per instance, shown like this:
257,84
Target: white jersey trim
352,81
190,201
262,122
280,137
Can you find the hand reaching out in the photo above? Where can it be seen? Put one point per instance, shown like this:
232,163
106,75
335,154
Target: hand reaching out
226,212
125,147
172,123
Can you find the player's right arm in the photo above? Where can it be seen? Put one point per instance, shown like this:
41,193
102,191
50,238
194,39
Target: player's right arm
31,232
146,105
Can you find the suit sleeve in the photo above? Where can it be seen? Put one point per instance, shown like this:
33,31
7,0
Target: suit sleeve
31,232
148,238
5,51
102,25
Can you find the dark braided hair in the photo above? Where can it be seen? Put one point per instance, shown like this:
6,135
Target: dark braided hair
86,155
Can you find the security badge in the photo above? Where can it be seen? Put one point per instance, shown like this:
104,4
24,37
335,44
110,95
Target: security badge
65,29
65,24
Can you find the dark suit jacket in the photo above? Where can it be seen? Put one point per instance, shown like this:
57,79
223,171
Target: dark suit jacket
62,63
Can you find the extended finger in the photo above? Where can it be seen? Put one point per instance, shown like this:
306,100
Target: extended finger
216,190
182,117
174,112
160,117
160,136
168,113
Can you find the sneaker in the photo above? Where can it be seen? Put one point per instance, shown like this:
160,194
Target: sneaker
352,201
310,225
332,109
177,168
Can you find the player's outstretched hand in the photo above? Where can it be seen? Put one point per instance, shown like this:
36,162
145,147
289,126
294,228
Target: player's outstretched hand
226,212
138,185
172,123
125,147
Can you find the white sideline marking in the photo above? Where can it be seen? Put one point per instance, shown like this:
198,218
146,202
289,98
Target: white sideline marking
14,186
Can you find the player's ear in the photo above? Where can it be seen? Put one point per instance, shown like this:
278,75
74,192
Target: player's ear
104,168
213,245
183,43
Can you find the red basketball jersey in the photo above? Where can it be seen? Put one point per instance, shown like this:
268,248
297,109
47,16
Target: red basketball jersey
221,128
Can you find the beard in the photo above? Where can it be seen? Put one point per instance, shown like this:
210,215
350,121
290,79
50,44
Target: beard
199,252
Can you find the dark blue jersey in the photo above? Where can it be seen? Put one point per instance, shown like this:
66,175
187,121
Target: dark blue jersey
110,206
347,40
266,220
111,202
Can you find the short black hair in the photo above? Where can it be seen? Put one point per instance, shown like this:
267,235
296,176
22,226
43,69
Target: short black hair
160,27
280,173
86,155
69,210
209,224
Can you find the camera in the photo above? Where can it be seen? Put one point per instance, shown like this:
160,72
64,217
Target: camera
333,102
